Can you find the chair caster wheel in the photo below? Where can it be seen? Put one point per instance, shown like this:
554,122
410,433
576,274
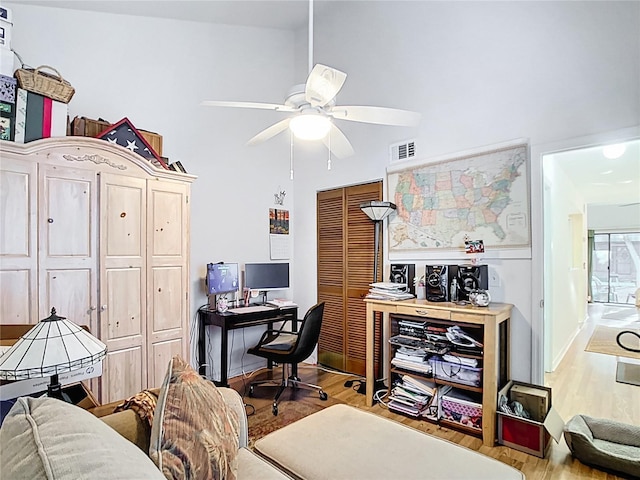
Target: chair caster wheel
323,395
251,391
275,410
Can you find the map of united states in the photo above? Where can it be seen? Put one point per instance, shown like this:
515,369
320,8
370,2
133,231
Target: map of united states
477,197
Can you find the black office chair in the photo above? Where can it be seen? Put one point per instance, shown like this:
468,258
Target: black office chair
286,347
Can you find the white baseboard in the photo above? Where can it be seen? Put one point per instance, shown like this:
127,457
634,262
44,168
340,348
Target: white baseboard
563,352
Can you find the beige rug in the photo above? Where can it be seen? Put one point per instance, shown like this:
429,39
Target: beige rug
603,340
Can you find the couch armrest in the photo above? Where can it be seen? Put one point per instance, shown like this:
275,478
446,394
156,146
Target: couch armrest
129,424
235,402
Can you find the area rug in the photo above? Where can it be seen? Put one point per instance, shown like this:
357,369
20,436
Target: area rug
263,422
625,313
603,340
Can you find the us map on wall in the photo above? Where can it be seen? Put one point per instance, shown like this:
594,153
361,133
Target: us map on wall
483,195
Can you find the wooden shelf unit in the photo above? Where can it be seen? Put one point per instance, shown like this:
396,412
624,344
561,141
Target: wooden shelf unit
474,330
491,326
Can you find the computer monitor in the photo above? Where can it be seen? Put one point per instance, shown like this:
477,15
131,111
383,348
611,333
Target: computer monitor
266,276
222,278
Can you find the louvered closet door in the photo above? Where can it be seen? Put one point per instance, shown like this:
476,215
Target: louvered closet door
345,269
331,273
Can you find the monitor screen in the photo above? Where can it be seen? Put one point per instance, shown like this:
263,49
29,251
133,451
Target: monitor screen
222,278
266,276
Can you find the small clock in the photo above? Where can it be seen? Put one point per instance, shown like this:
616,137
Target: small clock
480,298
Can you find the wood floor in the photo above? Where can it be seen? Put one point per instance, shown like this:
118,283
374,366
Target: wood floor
584,383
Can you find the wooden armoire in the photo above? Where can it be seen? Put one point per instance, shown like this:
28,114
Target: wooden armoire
99,233
345,270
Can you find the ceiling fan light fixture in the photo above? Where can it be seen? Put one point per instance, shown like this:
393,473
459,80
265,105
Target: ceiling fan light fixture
310,126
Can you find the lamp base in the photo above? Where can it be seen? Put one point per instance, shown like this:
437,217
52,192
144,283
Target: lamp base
54,390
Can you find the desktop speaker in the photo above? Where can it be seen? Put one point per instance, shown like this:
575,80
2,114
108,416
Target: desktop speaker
472,277
404,274
437,282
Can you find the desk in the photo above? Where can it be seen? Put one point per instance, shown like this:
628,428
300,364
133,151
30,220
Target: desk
495,322
230,321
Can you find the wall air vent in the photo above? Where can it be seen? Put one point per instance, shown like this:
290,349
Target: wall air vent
402,151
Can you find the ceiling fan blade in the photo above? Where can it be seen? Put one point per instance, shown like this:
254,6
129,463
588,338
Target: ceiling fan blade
323,84
337,143
270,132
262,106
379,115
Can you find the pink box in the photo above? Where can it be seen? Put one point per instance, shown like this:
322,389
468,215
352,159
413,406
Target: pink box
456,407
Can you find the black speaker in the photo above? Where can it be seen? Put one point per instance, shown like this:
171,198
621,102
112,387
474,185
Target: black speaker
437,280
404,274
472,277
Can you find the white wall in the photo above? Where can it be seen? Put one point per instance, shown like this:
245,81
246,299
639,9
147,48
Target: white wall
479,72
565,279
614,218
156,72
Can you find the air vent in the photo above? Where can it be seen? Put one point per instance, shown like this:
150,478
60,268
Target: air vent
402,151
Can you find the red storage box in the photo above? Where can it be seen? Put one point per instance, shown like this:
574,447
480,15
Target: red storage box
528,435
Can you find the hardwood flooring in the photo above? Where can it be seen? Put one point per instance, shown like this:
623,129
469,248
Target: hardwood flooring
584,382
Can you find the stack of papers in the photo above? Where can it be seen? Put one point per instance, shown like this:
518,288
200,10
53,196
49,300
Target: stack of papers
414,359
282,302
388,291
412,396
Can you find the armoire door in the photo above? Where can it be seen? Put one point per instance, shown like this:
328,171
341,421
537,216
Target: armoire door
68,274
123,314
18,242
168,276
345,270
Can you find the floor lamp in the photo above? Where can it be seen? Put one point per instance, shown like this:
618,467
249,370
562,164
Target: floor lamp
377,211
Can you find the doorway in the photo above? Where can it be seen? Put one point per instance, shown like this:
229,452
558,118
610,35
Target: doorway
587,189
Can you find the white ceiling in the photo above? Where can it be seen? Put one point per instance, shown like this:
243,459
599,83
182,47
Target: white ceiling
280,14
600,180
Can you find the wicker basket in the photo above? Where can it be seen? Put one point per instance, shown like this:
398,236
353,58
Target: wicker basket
52,86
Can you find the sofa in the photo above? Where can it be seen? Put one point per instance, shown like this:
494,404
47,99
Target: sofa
43,438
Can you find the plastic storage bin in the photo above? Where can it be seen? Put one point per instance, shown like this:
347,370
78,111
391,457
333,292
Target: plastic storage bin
455,372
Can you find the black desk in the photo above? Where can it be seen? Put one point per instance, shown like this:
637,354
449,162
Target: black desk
231,321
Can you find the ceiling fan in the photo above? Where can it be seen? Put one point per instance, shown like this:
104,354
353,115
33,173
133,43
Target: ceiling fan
313,108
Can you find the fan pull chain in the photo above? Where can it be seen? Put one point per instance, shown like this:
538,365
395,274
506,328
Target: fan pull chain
310,43
291,158
329,157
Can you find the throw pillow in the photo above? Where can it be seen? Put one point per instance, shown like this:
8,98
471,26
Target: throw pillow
143,403
45,438
194,435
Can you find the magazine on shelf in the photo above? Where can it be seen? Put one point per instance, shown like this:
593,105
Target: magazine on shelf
414,399
427,386
412,366
406,409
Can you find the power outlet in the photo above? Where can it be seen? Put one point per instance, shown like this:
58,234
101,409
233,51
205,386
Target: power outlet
494,279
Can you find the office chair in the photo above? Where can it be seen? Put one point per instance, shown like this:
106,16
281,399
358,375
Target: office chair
286,347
